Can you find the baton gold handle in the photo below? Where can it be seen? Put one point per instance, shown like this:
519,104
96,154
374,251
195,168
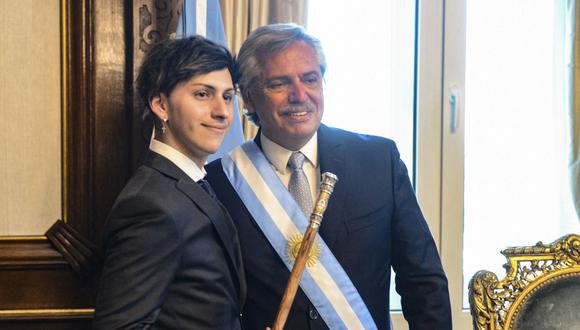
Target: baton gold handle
326,189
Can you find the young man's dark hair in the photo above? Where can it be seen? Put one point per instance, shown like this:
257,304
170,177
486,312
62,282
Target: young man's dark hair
174,61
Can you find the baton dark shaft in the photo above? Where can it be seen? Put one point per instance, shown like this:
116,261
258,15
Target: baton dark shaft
326,188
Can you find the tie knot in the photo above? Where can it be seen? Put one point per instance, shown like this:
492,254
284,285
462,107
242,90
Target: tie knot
296,160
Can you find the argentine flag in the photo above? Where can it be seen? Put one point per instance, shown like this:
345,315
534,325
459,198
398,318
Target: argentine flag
204,17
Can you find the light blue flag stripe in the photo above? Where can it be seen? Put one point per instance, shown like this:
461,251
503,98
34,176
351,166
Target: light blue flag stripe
279,242
216,33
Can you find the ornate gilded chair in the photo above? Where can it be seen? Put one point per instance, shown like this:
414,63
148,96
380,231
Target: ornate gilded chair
540,291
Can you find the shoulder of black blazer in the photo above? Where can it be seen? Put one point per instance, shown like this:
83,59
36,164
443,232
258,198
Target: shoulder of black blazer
216,213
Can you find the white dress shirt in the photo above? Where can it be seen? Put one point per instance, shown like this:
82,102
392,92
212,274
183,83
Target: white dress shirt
278,157
180,160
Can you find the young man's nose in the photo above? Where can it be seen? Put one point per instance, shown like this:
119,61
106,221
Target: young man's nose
221,108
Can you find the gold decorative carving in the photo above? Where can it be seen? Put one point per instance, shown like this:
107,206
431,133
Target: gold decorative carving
494,303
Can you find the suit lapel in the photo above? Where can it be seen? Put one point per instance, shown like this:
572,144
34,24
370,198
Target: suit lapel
219,218
332,159
205,203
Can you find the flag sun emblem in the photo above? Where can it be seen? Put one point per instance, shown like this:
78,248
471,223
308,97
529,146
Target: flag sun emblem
294,245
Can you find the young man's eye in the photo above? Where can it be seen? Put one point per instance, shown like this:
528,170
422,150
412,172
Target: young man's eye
202,94
228,97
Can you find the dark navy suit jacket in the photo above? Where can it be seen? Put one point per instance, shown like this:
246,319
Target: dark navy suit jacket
172,256
372,222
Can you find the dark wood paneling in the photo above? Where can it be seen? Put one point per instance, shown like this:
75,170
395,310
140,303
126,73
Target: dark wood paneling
111,166
37,285
102,144
38,289
98,118
47,324
28,254
78,109
27,292
35,276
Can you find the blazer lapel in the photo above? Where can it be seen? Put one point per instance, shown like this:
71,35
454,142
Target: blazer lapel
211,208
205,203
222,223
332,159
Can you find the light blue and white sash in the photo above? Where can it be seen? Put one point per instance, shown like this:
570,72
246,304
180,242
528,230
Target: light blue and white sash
280,218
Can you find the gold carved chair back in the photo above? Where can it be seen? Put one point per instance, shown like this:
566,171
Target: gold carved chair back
541,290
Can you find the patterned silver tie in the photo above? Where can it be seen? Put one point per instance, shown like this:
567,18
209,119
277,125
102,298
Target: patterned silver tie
298,186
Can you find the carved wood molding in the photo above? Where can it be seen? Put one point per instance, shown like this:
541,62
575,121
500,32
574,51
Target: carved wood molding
81,254
157,20
46,314
28,253
77,102
97,130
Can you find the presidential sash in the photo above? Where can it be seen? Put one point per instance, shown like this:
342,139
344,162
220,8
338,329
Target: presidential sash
282,221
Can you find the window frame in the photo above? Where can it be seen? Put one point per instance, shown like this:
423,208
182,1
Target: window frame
452,151
439,152
452,157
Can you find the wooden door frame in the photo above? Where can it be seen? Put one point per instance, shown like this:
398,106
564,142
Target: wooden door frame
102,43
39,288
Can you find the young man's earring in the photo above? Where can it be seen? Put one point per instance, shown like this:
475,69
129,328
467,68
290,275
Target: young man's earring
163,129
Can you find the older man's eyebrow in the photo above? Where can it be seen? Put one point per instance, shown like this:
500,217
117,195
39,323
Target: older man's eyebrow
282,78
311,73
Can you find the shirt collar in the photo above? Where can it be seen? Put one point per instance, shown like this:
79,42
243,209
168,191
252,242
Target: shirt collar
180,160
279,156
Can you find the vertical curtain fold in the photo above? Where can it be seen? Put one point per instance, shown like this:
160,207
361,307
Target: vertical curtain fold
241,17
574,106
295,11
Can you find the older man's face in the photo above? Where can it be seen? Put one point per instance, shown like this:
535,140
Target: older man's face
289,100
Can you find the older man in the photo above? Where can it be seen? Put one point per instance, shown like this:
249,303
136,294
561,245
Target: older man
372,222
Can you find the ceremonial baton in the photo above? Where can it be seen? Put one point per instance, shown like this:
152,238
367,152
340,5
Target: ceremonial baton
326,188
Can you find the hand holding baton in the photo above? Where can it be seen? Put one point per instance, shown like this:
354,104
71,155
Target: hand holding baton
326,188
